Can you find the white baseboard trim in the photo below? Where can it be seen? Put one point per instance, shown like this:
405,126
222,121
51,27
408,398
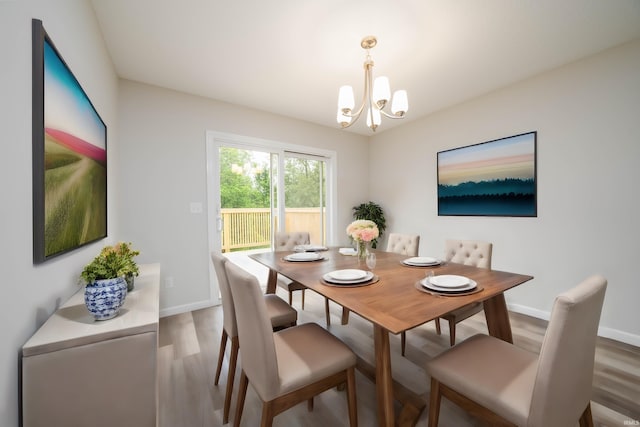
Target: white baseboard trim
610,333
170,311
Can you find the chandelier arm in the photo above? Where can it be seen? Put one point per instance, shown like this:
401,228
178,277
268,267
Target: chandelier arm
355,117
367,82
391,116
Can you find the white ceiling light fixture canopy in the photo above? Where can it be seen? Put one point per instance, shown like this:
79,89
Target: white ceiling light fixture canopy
375,99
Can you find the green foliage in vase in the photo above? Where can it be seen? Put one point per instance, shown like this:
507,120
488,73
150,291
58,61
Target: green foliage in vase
111,262
372,212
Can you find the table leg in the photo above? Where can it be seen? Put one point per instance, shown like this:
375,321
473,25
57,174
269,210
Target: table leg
272,281
384,380
345,316
497,315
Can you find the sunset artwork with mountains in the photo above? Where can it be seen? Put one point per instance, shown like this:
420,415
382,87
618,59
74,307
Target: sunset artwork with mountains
495,178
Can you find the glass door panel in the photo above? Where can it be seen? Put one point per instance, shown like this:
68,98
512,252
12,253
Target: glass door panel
245,199
305,196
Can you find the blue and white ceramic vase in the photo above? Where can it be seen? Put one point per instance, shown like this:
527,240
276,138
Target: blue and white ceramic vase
105,297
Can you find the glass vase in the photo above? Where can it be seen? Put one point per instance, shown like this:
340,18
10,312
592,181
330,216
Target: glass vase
363,249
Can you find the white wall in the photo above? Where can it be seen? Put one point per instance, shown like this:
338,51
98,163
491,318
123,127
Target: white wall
163,170
587,115
32,293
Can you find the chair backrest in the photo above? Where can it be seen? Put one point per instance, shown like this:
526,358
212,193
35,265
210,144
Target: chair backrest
469,252
228,312
405,244
258,352
286,241
564,379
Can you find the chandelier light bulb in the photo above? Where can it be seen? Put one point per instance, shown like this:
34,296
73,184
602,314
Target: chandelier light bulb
381,91
343,120
373,113
400,103
345,100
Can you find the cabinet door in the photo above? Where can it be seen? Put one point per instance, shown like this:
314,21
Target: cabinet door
108,383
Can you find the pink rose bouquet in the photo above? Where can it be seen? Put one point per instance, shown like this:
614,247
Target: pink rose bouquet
363,231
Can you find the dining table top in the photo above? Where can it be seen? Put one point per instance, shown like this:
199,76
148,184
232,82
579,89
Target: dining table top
394,300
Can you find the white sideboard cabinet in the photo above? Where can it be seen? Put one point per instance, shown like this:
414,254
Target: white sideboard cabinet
77,371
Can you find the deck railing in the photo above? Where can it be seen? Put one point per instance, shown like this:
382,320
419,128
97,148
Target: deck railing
250,228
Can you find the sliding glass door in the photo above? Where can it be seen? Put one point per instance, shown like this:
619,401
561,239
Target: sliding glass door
246,205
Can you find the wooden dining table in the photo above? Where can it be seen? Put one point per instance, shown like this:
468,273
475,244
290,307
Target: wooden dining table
394,303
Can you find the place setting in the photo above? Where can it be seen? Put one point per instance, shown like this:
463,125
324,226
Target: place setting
422,261
448,284
349,277
304,257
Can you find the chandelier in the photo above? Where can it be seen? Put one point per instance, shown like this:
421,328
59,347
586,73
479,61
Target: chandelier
376,96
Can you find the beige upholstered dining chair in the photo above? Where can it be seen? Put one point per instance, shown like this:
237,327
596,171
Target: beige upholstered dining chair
289,366
279,312
285,241
506,385
469,252
404,244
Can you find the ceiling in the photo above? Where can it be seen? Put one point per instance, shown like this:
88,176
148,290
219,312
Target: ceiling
290,57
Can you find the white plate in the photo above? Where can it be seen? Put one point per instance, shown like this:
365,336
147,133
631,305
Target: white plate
348,275
450,281
310,248
368,276
303,256
421,261
428,285
347,251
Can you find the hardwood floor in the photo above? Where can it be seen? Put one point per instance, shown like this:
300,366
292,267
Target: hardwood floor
189,346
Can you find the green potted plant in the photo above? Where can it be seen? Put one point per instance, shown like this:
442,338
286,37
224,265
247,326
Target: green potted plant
111,262
106,279
372,212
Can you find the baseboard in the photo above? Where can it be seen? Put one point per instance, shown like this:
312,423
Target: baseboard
610,333
170,311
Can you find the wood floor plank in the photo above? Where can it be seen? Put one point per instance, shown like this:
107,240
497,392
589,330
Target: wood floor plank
189,348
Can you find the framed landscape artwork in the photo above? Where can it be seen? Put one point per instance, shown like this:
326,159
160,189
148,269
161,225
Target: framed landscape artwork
69,157
493,178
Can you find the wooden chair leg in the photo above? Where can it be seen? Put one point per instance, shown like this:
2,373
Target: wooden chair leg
586,419
403,342
434,403
235,345
303,299
438,330
310,405
267,414
242,393
351,397
223,346
452,332
327,315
